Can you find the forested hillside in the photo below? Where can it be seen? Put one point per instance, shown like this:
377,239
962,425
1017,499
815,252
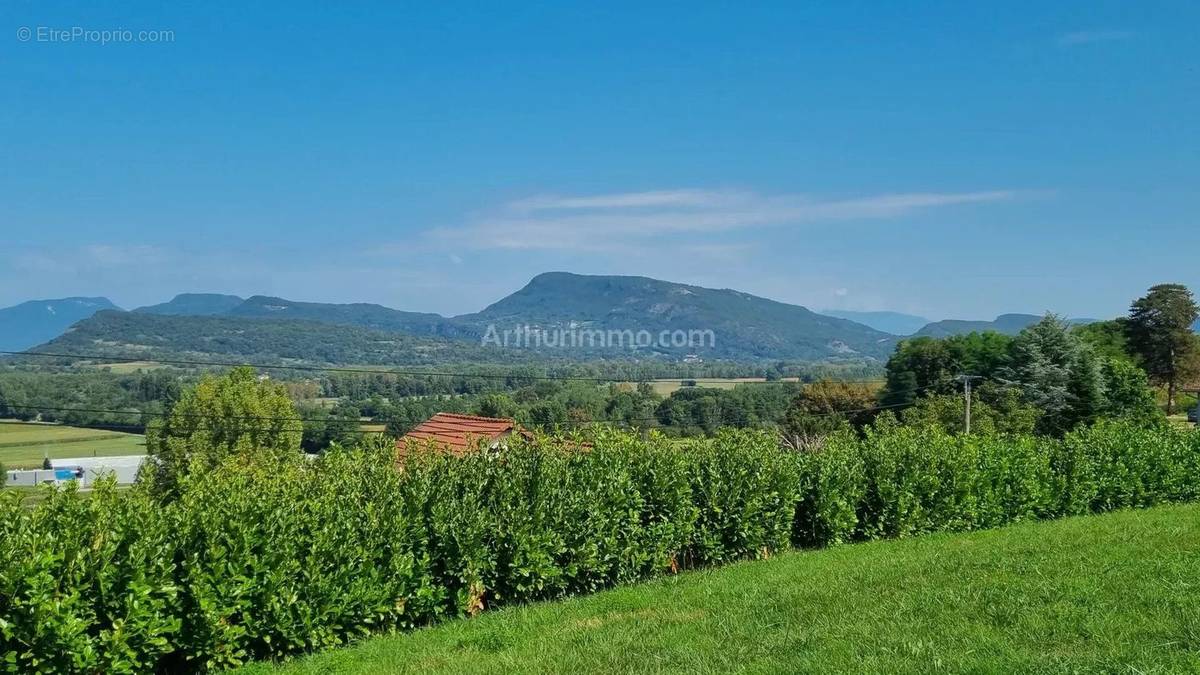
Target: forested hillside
126,334
745,326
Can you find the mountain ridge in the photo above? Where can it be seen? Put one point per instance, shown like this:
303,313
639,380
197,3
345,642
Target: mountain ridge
120,334
365,314
1008,324
744,326
896,323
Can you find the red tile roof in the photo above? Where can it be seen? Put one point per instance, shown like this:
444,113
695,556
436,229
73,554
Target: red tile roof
456,432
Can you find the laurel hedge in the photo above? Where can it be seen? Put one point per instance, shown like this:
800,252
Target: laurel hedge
258,562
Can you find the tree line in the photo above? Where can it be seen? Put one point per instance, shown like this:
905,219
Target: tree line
1055,374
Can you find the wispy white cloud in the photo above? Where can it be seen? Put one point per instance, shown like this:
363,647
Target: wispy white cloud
90,256
624,221
1083,37
659,198
115,255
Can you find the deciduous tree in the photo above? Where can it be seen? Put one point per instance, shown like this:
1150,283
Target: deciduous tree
237,414
927,366
822,407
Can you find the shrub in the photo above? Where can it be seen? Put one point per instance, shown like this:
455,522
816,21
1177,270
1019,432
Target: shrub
1122,464
744,490
831,484
88,583
281,559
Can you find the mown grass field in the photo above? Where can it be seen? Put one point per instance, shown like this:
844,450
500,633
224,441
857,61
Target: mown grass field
666,387
22,445
1112,593
128,367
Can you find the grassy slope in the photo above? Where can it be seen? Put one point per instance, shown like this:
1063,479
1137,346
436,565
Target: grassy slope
1115,592
22,445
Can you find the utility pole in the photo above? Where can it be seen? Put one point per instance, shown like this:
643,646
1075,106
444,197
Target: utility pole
967,380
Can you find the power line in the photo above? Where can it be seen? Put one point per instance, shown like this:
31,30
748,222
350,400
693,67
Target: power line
967,380
335,369
385,370
114,411
655,420
388,422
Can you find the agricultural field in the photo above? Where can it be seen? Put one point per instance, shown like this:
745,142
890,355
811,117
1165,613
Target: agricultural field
666,387
1094,593
130,367
22,446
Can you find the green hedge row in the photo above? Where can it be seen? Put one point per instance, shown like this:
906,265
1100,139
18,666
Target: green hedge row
261,561
904,481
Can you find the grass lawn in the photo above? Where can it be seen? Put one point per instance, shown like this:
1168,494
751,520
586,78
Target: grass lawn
1114,593
33,495
22,445
1180,420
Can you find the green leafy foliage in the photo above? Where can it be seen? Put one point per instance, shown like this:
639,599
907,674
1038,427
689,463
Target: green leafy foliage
702,410
323,427
992,412
1127,393
236,414
88,584
80,398
1108,339
927,366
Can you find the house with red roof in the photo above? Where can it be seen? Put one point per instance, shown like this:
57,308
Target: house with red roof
455,433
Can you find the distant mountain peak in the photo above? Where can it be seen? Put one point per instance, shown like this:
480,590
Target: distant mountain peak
746,326
194,304
33,322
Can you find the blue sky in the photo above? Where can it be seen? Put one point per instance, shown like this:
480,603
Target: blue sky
950,159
